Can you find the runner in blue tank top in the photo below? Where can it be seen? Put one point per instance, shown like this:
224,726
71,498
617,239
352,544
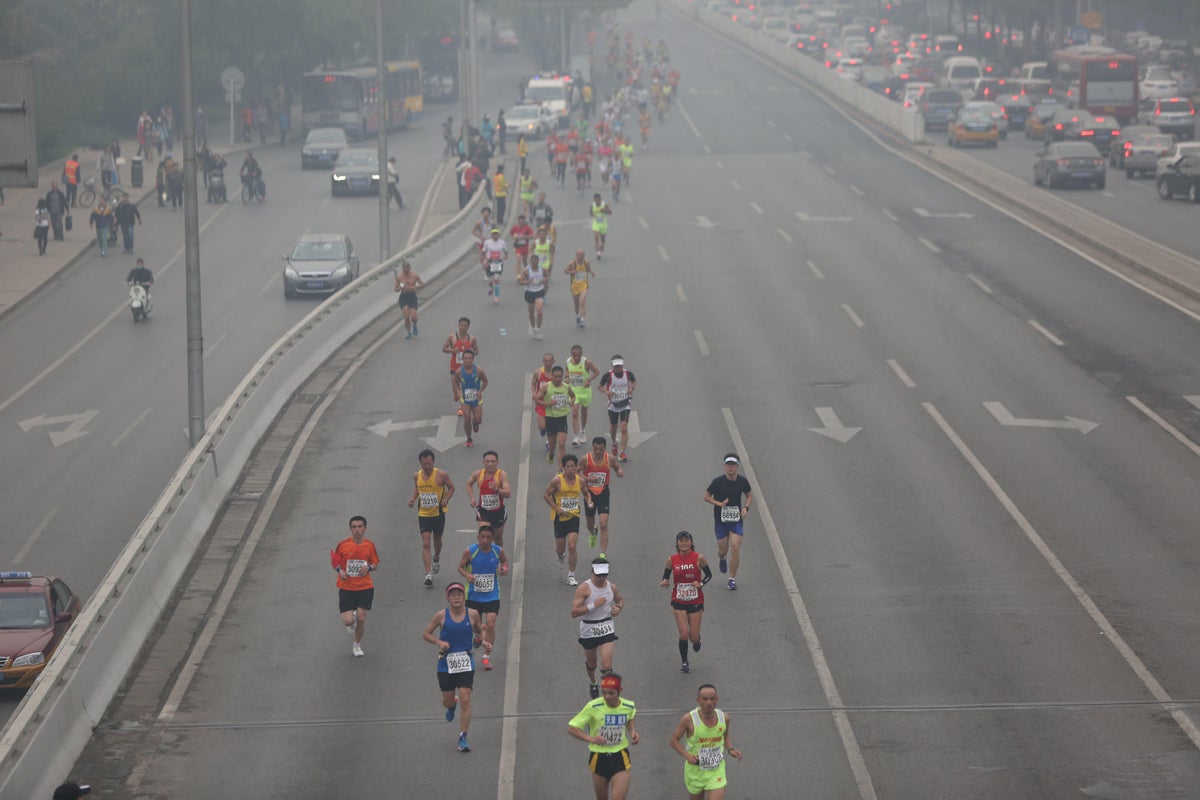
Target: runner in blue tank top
469,383
458,626
482,565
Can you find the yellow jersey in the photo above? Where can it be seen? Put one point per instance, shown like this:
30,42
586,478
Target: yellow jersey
429,494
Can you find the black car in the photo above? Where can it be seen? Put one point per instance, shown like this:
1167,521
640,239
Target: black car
1064,124
356,172
322,146
1100,131
1061,163
1017,107
1181,178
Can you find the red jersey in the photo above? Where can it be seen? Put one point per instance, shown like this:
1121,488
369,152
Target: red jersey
541,378
596,474
561,151
460,346
685,570
521,234
489,491
582,162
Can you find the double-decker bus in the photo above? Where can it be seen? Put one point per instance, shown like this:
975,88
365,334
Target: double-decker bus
1098,79
351,99
439,67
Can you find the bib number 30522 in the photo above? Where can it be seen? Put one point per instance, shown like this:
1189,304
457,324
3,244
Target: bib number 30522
459,661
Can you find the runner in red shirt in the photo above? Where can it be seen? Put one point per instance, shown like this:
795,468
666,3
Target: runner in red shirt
551,146
596,468
540,379
690,571
456,344
521,233
354,559
583,167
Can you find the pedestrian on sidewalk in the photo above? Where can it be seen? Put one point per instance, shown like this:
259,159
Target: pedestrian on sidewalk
71,172
126,215
102,221
56,204
201,128
117,162
107,166
393,179
501,131
41,218
175,185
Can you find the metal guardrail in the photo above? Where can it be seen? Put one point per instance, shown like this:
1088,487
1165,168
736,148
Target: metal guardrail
54,722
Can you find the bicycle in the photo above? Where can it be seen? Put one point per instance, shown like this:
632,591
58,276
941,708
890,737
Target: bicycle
87,196
254,189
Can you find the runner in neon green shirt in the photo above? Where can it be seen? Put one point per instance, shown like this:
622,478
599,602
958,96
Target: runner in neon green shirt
606,724
702,738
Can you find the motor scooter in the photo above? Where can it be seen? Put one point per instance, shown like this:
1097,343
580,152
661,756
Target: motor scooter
139,302
216,186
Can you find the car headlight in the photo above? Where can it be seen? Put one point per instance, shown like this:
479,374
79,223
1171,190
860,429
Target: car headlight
306,152
339,177
290,272
375,177
29,660
341,272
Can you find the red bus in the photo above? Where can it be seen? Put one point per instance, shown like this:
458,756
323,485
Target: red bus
1098,79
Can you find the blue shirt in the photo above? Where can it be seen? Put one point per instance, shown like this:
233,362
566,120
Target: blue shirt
461,637
484,565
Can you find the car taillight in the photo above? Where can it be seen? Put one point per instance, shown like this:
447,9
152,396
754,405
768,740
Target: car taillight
1128,146
1096,162
1058,126
1115,134
1064,162
1157,111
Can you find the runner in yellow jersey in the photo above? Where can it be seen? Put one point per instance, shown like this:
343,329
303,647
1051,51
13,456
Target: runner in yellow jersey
579,269
600,213
565,495
433,488
702,738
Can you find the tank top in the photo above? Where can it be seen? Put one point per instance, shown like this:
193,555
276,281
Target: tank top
577,377
542,251
459,346
460,636
595,474
543,378
536,275
483,587
618,391
568,497
526,183
707,743
429,494
597,623
558,400
598,214
686,569
579,278
470,383
489,491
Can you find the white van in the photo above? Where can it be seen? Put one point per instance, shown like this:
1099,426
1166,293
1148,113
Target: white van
960,72
553,93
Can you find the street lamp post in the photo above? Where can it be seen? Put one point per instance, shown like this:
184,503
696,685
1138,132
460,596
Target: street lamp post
191,237
384,111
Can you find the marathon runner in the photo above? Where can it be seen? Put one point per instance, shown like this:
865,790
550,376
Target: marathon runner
618,385
540,378
730,496
521,234
597,603
600,213
558,398
495,250
533,278
528,187
469,383
481,564
354,559
483,227
685,567
580,270
606,724
581,372
457,343
407,284
596,468
702,738
452,630
565,495
493,491
433,487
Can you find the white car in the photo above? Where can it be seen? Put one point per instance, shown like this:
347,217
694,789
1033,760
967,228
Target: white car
849,68
776,28
1158,83
534,121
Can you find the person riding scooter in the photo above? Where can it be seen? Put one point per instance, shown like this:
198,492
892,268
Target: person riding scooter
140,278
140,275
252,174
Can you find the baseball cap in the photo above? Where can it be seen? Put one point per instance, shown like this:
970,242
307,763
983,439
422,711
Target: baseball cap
601,568
617,361
495,230
71,791
731,460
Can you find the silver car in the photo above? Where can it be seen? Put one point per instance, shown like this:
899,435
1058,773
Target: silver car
1140,153
534,121
320,263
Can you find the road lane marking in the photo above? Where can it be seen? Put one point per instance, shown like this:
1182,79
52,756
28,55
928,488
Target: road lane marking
804,154
216,342
426,203
1054,339
787,138
645,225
707,150
857,190
267,286
815,269
901,374
720,164
853,317
735,184
688,118
1166,426
703,345
829,169
757,110
662,251
1110,633
516,616
117,441
771,122
756,207
680,293
889,215
929,244
33,537
787,238
983,287
833,697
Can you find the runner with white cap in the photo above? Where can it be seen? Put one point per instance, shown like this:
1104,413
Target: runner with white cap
618,385
730,496
597,603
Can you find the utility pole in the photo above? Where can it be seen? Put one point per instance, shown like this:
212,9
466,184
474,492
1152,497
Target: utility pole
384,112
191,238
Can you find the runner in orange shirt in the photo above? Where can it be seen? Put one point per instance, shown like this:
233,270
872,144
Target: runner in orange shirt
562,154
354,559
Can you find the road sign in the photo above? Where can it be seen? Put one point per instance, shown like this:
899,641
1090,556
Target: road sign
232,79
1079,35
1093,20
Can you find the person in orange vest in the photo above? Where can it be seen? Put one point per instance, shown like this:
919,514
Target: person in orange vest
71,178
500,192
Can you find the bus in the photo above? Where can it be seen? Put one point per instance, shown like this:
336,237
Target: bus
350,98
1098,79
439,66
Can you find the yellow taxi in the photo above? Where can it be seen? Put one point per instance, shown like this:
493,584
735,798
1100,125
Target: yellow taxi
1035,122
973,126
35,614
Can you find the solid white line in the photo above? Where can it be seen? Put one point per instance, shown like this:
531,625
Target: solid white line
87,337
662,251
889,214
804,154
645,225
327,201
688,118
815,269
854,317
1106,628
983,287
901,374
787,138
756,207
117,441
856,190
720,164
267,286
1194,399
1166,426
516,594
680,293
427,202
1037,327
707,150
735,184
33,537
829,169
858,764
787,238
208,350
703,345
929,244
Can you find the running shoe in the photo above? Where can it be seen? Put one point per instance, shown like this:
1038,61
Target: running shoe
437,565
415,331
696,646
723,565
685,667
615,452
357,650
549,455
604,556
450,711
459,412
429,580
487,663
531,332
594,690
470,442
623,456
463,747
537,333
592,539
732,585
408,335
477,641
571,579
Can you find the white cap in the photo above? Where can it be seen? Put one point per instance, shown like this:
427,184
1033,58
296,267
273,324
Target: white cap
731,460
618,362
600,569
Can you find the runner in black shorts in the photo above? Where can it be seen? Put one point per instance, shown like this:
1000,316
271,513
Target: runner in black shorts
407,284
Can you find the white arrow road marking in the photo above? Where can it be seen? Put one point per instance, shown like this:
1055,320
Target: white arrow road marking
387,426
1194,399
943,214
806,218
703,345
73,431
662,251
445,438
1005,417
785,235
832,426
636,434
704,222
815,269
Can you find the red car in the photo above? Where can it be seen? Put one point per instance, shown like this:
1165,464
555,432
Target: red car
35,614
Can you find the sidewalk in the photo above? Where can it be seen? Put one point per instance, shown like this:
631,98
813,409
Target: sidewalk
22,270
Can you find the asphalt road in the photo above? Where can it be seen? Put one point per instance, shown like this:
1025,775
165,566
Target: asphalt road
974,578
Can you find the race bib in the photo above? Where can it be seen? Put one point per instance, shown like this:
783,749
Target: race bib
619,395
484,583
569,504
459,661
470,395
577,380
686,591
495,267
559,401
489,502
613,734
731,514
597,479
594,630
710,757
429,500
356,567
